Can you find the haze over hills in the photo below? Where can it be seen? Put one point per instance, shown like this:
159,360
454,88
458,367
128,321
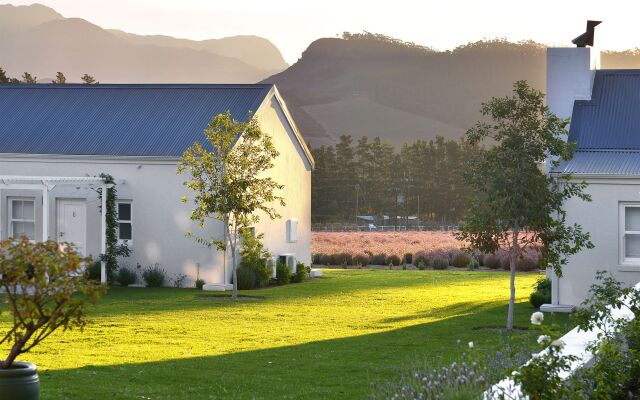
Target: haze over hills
371,85
361,84
39,40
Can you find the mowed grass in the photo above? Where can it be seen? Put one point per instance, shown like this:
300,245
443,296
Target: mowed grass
327,338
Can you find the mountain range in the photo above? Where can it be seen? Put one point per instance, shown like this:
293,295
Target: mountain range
39,40
360,84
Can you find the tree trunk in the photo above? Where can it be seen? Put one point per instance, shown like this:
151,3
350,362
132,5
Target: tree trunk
15,349
513,259
234,294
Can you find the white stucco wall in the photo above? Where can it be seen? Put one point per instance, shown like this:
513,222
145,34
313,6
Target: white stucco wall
570,74
160,220
601,218
292,170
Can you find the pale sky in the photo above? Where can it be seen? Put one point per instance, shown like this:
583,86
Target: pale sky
292,25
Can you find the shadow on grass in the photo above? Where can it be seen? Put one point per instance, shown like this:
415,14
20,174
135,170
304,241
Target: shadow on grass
340,368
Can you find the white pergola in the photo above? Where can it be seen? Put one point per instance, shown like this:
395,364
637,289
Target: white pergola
46,184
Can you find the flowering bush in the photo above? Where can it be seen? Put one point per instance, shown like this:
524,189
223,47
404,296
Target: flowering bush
616,362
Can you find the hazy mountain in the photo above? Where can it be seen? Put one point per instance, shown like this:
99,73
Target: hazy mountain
376,86
253,50
15,19
39,40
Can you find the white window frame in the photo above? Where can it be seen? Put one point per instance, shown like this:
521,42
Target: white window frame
11,220
128,242
624,260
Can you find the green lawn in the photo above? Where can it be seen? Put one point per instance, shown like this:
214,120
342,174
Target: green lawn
327,338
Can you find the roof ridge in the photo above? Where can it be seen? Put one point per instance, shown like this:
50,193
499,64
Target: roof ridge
140,86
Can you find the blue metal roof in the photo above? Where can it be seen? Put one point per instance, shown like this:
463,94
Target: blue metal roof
116,120
611,119
602,162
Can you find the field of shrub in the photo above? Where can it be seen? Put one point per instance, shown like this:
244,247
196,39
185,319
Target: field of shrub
437,250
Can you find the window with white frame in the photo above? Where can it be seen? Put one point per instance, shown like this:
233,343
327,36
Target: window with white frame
22,217
124,221
630,233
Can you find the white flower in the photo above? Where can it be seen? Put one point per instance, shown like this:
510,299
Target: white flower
458,341
558,343
537,318
471,345
543,339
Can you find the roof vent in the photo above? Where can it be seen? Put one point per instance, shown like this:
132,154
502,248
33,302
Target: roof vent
586,39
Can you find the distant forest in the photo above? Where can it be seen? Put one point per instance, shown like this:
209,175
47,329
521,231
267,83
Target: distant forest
370,177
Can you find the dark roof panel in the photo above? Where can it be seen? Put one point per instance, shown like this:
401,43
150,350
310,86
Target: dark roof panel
116,120
611,119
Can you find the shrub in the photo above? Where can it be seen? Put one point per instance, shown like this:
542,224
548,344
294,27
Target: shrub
527,264
154,276
541,294
320,259
341,259
480,258
474,264
505,263
255,257
93,271
421,260
379,259
407,258
247,279
440,263
461,260
302,273
283,274
361,259
200,284
126,277
492,261
178,280
393,260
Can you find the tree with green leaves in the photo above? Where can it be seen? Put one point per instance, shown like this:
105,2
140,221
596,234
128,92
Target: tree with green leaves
4,78
45,289
60,79
228,178
515,205
88,80
29,79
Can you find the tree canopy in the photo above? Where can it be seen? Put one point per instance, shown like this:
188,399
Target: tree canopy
227,176
515,205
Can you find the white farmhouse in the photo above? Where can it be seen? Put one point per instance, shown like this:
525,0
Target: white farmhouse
604,107
55,141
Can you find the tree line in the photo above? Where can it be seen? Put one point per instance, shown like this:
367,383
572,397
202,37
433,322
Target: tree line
370,177
28,78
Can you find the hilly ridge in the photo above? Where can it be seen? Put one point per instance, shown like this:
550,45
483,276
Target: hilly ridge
371,85
37,39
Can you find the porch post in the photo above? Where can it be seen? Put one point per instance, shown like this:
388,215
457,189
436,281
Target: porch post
45,212
103,241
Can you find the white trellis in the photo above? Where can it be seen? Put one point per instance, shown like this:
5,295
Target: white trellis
46,183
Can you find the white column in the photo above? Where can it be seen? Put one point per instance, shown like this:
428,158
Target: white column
45,213
103,241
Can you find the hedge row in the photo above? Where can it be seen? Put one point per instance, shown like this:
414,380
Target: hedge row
423,260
